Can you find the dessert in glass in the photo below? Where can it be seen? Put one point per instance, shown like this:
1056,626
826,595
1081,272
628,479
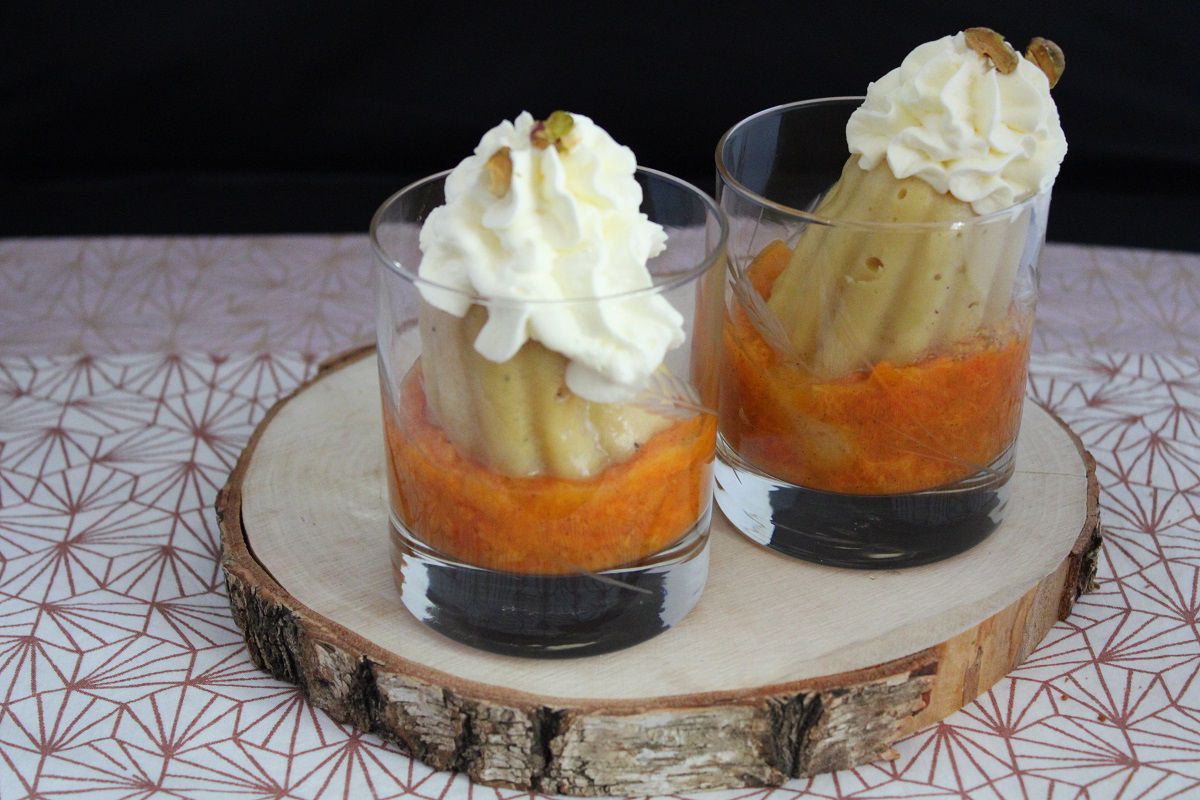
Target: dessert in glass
880,304
549,318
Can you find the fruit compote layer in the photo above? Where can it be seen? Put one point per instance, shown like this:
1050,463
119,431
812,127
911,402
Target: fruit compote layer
886,429
542,524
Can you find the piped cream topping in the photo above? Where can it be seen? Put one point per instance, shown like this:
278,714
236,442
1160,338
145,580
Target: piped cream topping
536,229
948,116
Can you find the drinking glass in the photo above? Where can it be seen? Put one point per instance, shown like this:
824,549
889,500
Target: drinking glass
873,371
525,519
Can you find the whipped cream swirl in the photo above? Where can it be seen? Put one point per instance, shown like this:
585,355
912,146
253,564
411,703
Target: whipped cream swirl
947,116
567,230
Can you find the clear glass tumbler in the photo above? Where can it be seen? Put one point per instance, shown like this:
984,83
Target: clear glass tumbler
876,341
525,519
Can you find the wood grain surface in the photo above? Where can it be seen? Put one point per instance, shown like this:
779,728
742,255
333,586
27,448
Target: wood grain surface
784,668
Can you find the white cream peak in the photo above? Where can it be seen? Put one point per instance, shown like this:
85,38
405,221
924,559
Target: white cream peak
947,116
568,230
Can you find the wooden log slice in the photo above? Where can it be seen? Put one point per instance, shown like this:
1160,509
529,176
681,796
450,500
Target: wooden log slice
783,669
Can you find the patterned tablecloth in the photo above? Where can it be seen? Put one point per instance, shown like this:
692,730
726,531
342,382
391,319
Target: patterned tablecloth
132,371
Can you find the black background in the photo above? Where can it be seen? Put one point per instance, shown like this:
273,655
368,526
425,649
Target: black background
160,117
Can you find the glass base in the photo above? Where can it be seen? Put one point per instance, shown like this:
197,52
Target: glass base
862,531
551,616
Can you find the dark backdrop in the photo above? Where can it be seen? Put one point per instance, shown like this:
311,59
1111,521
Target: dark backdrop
162,117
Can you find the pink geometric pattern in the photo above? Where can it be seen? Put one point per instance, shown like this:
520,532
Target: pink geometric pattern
132,371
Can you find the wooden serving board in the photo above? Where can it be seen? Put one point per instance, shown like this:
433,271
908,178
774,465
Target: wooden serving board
784,668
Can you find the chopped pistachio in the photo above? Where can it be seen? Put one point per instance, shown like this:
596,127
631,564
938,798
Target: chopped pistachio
499,171
990,44
1048,57
553,131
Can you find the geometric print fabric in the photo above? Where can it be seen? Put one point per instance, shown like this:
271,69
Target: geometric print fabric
123,675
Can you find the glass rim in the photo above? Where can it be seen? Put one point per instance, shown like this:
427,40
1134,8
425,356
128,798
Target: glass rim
727,179
712,256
